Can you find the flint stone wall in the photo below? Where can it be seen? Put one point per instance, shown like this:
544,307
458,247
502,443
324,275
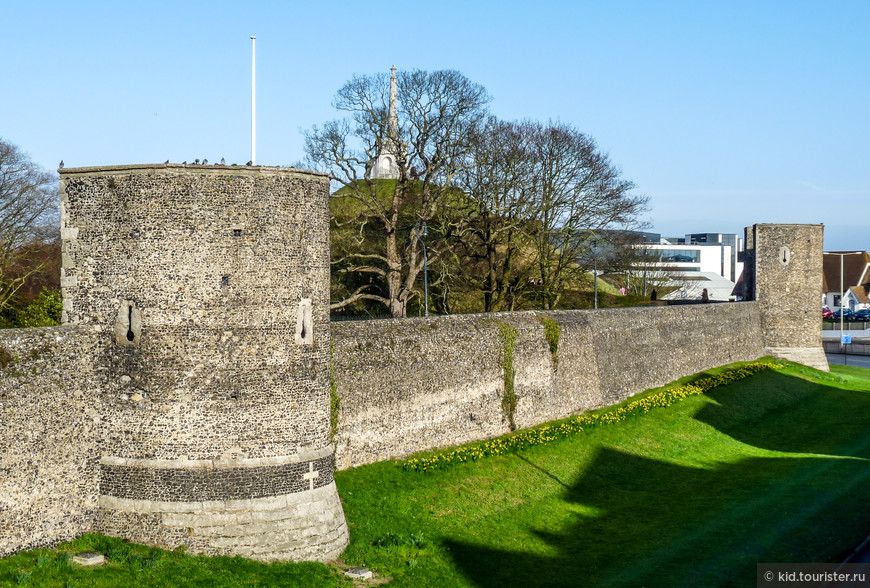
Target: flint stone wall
206,267
49,435
416,384
211,287
784,269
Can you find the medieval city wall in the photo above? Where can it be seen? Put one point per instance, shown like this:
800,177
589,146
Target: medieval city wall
186,403
417,384
404,385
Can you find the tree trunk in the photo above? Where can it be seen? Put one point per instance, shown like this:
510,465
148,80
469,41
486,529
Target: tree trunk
397,306
490,284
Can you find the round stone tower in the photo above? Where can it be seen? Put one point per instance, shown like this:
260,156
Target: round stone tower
210,288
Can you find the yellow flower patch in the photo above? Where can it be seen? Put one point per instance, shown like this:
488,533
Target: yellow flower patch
577,424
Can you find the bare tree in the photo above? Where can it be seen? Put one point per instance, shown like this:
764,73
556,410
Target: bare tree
579,193
545,205
437,113
499,209
28,217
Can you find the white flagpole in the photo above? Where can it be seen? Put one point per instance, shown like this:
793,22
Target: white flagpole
253,100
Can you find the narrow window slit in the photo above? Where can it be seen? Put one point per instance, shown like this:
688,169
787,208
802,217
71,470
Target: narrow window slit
130,334
128,324
304,327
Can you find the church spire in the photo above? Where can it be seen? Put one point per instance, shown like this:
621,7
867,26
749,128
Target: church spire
393,117
385,166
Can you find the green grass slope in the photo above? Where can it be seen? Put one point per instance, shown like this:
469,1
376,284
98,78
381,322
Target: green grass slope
769,469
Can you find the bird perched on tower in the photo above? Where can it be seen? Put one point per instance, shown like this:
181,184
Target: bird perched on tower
60,165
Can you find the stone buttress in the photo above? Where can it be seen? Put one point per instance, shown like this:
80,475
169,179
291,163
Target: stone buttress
210,287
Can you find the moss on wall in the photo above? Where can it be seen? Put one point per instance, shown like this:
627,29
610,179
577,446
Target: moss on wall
509,397
552,332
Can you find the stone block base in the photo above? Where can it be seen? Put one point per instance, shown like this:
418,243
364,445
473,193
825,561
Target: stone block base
813,357
303,526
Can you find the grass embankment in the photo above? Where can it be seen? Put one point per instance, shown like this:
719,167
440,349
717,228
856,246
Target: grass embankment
771,468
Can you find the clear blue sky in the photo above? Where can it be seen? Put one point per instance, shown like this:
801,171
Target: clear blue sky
724,113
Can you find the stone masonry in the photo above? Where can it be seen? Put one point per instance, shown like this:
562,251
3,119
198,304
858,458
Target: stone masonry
186,399
784,274
204,294
416,384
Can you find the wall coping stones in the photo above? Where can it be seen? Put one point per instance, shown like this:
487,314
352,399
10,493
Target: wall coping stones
178,169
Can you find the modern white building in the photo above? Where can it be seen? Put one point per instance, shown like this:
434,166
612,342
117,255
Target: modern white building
696,262
691,258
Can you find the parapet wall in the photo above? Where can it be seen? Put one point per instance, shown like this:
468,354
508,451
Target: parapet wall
417,384
49,436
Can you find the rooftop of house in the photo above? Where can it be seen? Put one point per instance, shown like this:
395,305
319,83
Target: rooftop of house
860,294
855,269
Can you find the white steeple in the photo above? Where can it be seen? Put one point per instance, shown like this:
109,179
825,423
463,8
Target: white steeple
393,117
385,166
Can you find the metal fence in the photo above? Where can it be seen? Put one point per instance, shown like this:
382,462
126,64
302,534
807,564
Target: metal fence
847,326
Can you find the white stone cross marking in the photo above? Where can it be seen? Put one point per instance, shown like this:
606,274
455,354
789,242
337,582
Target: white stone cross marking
312,473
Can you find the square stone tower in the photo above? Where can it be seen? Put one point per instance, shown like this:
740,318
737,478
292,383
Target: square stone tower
783,272
210,288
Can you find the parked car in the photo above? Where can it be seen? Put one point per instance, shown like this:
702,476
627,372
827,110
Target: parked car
827,312
861,315
847,314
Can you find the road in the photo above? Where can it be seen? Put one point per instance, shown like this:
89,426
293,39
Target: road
840,359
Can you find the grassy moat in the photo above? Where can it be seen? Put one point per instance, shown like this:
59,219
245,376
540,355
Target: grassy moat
769,468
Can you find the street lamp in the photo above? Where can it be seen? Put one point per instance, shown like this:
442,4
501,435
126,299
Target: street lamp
842,295
595,271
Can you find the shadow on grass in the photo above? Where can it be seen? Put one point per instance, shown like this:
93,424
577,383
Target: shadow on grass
820,419
665,524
